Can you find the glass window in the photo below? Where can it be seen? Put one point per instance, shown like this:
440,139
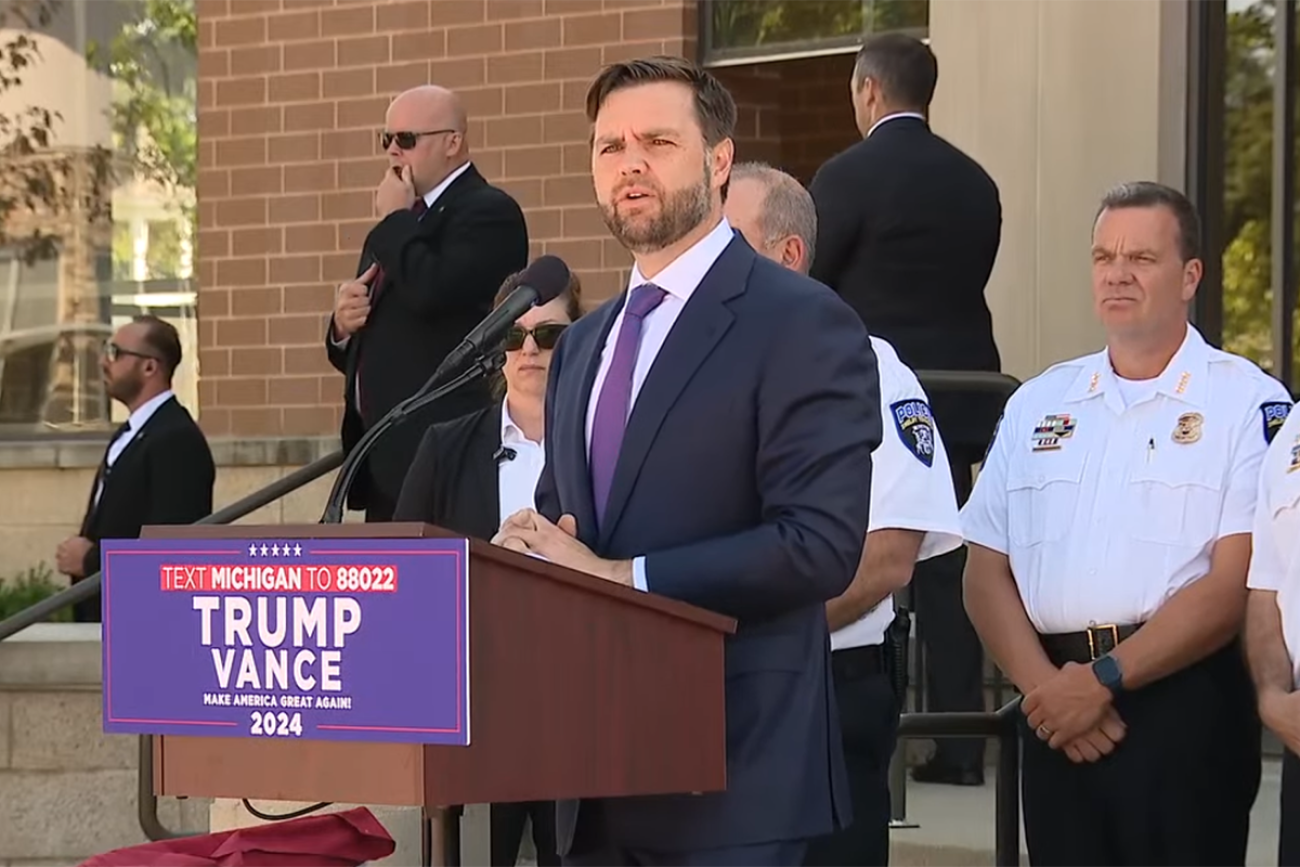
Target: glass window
97,156
1248,174
771,29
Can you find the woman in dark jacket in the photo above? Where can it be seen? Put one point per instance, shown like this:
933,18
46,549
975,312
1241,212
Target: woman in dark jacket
473,472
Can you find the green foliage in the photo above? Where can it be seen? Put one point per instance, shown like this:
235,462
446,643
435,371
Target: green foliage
40,182
1248,183
26,589
744,23
152,61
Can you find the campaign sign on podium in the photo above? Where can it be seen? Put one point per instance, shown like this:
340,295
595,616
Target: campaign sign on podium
325,639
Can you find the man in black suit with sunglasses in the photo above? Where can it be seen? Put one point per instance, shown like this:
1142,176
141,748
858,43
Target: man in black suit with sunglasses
157,468
445,240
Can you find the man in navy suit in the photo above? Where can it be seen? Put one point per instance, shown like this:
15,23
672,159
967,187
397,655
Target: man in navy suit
708,438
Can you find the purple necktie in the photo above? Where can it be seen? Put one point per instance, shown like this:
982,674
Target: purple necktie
616,394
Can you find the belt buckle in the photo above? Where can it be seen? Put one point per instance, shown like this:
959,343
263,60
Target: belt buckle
1102,639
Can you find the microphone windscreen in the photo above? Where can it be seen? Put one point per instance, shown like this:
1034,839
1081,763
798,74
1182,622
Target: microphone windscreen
548,275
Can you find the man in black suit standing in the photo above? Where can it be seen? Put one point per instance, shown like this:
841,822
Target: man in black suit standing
908,231
157,468
445,241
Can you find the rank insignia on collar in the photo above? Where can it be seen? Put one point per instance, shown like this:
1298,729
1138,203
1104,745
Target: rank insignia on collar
1295,456
915,425
1051,430
1274,413
1188,428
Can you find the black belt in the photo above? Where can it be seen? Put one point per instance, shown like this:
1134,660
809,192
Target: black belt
1093,643
852,663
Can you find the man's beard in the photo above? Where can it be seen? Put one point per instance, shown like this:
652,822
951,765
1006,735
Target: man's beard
679,213
125,388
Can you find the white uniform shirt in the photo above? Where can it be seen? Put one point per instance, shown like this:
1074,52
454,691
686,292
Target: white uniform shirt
517,477
911,483
1108,497
1275,558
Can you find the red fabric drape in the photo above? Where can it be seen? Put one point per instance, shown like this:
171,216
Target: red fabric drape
344,839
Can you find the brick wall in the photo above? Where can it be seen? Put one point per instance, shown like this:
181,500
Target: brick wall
291,96
793,114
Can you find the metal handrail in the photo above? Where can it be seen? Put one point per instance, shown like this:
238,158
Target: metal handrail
1004,725
85,589
147,800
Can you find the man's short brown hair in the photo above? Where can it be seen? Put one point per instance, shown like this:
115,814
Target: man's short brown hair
714,108
161,337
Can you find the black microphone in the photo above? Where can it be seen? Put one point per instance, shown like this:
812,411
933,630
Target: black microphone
505,453
542,281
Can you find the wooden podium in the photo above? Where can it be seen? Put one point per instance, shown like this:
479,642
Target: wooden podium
578,688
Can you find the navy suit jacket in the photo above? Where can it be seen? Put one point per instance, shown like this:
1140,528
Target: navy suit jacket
744,478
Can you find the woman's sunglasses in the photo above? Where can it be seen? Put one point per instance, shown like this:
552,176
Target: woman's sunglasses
545,335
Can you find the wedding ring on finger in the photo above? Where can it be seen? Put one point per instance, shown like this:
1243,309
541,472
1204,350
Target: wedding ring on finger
1044,733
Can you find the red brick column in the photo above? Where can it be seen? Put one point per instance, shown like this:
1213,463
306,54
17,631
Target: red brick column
291,96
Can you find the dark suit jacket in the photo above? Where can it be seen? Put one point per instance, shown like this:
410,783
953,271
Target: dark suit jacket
441,274
453,480
164,475
908,229
744,479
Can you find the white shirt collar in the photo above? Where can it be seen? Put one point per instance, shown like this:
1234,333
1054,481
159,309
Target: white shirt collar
1184,378
511,432
887,118
146,410
432,196
681,277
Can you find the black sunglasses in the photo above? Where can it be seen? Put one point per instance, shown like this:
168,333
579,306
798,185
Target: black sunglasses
545,335
113,352
406,140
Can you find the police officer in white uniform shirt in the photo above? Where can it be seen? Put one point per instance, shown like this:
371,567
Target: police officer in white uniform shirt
1109,535
1273,616
913,517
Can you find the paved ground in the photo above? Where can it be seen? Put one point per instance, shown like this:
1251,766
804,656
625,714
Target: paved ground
956,826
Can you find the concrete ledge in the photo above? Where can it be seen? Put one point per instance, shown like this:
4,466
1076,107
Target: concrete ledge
226,452
66,656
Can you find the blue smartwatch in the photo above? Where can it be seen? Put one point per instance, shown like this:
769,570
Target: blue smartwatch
1108,672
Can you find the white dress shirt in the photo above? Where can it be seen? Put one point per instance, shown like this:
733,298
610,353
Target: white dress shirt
1108,504
1275,558
136,421
679,281
907,493
517,477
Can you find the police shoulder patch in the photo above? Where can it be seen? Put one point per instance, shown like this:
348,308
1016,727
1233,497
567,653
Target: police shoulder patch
915,426
1274,413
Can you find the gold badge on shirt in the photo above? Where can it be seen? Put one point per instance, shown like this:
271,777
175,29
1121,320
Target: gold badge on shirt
1049,432
1295,456
1188,428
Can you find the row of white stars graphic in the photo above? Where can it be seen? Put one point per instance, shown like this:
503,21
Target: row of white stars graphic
274,550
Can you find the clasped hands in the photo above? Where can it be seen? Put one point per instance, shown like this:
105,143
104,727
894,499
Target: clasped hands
529,532
1073,712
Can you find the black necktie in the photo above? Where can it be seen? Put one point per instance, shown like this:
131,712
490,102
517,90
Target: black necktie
95,494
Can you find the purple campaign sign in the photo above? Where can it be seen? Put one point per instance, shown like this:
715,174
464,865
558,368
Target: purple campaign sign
325,639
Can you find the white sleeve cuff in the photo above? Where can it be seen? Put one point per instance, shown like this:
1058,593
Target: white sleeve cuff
638,575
